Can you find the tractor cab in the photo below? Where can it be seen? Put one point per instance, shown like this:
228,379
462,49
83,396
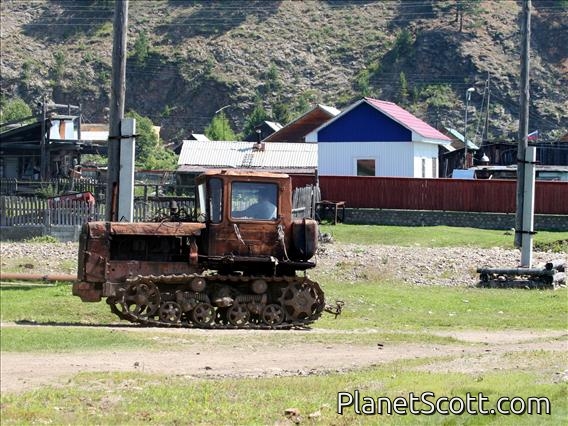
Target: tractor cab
248,215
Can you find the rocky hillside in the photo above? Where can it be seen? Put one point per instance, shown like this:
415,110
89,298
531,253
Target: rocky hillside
190,58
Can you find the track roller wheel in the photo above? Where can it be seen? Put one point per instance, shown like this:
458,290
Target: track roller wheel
238,315
141,300
203,314
273,314
170,312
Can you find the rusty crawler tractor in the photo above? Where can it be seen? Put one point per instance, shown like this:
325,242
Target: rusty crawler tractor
232,263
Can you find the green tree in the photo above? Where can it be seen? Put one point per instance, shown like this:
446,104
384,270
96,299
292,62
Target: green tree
219,129
403,94
60,62
161,159
438,96
273,83
465,7
141,49
27,72
403,44
459,8
257,116
150,152
103,4
14,109
281,112
305,102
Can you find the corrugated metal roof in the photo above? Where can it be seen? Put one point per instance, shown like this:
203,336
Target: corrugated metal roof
459,137
408,120
200,137
274,125
245,154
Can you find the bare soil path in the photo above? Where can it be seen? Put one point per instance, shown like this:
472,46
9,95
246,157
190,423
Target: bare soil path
24,371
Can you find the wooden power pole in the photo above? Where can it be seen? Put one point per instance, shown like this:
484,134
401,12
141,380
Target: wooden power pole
117,101
523,120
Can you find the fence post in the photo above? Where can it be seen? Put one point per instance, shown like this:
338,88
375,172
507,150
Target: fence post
3,218
47,218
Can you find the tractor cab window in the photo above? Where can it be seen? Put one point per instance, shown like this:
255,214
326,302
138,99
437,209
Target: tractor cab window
202,202
254,200
215,200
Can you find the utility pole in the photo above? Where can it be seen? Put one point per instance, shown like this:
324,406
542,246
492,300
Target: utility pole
523,121
486,130
44,147
117,101
467,99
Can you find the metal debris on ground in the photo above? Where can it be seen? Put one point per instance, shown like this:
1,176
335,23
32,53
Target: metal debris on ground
550,276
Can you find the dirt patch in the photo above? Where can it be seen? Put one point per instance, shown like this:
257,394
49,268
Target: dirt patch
503,336
26,371
510,356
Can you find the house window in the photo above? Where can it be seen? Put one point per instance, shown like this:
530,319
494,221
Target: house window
366,167
434,167
423,167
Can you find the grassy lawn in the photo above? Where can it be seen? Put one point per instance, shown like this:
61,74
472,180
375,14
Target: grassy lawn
137,398
377,309
437,236
385,307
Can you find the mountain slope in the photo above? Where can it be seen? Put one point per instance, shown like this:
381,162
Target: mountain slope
188,59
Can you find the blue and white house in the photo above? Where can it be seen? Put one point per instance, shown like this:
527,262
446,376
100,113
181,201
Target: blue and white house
377,138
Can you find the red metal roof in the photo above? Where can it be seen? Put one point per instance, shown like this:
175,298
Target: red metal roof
408,120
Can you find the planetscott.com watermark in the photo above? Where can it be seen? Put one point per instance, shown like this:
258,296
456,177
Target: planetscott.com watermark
427,403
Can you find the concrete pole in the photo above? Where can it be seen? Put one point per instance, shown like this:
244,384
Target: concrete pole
117,101
528,208
127,150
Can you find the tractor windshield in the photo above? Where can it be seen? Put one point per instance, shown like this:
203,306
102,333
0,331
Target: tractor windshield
254,200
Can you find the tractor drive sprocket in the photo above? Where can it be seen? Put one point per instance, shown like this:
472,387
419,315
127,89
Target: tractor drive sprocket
302,300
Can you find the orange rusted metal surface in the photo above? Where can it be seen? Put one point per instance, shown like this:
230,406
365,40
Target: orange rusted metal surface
231,263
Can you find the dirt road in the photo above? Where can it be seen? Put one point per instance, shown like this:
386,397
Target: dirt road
475,352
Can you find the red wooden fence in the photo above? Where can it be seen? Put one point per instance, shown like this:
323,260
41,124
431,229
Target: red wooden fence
437,194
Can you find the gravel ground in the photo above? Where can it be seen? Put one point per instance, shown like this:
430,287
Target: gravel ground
449,266
454,266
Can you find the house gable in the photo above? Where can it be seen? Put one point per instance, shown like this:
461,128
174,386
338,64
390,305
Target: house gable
363,123
297,130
